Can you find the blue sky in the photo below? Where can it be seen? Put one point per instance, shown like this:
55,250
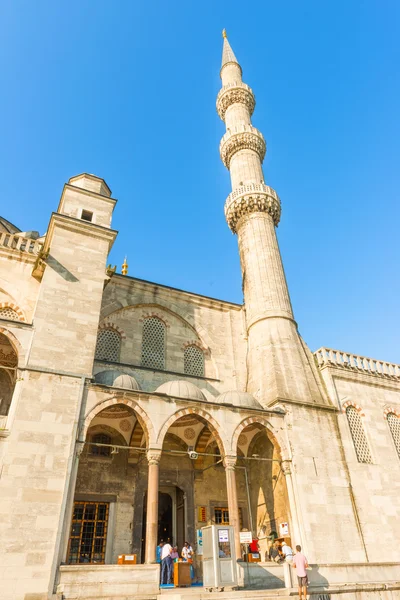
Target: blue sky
127,89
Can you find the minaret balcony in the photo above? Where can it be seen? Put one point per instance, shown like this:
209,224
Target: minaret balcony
251,198
232,93
243,137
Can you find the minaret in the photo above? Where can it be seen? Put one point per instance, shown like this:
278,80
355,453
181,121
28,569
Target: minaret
280,366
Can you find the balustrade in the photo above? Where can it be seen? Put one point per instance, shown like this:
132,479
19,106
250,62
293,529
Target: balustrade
361,364
18,242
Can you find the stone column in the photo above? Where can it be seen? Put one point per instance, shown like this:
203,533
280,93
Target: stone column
153,457
234,520
295,525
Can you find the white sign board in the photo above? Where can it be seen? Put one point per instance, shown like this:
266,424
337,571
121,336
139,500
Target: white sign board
283,529
246,537
223,535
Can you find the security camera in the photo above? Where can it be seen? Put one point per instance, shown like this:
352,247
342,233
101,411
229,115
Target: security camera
193,455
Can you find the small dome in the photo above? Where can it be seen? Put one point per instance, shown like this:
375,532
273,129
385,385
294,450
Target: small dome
117,379
241,399
181,389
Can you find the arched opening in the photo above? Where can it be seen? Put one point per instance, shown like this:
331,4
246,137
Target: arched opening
260,479
103,517
8,373
192,482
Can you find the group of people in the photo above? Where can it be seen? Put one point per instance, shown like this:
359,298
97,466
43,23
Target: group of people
167,555
284,553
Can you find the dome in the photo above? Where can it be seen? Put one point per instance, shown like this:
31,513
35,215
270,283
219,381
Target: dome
7,227
181,389
241,399
117,379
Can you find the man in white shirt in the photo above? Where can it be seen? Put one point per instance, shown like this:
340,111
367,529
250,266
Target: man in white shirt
287,552
166,564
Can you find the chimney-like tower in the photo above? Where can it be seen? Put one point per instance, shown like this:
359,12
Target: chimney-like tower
280,366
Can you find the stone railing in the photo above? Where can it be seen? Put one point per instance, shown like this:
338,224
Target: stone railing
17,242
354,362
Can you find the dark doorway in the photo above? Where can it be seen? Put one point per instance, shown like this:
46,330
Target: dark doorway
171,518
165,532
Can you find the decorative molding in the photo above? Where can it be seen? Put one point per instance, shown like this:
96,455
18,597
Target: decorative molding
109,324
246,137
348,403
251,198
229,462
147,315
391,410
232,94
15,308
196,343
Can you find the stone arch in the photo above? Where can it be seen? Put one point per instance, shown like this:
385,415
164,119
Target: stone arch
141,415
277,437
108,324
14,308
19,351
348,403
391,409
211,422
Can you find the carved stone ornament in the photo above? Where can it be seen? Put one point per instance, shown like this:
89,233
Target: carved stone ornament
153,457
248,139
286,467
230,462
239,93
255,197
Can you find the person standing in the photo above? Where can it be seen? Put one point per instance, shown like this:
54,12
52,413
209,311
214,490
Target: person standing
287,552
300,563
166,564
187,555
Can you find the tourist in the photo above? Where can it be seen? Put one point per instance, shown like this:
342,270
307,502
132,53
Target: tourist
274,553
287,552
187,555
166,564
158,551
300,563
175,553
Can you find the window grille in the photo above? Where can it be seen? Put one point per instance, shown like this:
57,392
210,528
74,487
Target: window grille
8,313
194,361
87,542
394,426
358,435
153,343
100,438
108,345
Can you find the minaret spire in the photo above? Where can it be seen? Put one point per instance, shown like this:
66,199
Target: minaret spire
278,364
228,55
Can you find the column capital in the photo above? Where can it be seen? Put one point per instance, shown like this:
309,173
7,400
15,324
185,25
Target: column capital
229,462
153,456
286,466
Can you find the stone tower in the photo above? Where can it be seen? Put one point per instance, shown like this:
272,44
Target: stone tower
280,366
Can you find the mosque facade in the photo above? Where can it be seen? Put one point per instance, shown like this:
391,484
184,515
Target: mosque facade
132,411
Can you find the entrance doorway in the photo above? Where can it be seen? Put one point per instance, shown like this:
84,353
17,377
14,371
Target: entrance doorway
171,517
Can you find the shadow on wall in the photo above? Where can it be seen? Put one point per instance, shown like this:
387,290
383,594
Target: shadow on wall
263,577
315,579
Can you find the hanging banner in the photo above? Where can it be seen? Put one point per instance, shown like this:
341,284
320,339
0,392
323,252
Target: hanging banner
283,529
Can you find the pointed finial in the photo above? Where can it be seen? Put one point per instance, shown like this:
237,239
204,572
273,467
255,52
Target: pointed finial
124,268
224,33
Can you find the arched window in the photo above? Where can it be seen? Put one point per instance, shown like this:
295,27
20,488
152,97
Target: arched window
108,345
101,438
394,426
8,373
9,314
358,435
153,343
194,361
